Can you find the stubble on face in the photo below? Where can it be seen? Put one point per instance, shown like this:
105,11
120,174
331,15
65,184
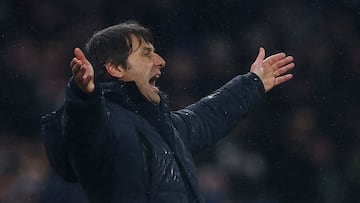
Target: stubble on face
142,69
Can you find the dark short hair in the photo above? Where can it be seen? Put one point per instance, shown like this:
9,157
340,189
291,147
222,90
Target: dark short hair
113,45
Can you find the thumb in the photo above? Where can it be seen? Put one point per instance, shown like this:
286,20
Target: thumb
80,55
261,56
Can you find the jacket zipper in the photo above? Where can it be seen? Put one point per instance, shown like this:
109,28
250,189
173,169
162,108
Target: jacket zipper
148,160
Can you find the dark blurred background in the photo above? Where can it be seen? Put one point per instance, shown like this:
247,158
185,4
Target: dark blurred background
301,145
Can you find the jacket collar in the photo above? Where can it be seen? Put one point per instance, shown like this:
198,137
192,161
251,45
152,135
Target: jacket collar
128,95
124,93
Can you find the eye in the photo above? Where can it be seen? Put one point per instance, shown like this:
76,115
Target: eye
146,53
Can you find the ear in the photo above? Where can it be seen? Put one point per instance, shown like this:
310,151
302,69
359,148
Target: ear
115,71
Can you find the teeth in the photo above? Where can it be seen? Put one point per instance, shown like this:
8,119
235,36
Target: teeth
153,79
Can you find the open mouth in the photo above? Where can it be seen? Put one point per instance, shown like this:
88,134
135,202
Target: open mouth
152,80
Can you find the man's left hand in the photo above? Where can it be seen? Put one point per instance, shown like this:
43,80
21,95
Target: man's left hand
273,70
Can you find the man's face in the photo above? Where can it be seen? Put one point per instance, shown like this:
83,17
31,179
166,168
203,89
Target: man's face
144,69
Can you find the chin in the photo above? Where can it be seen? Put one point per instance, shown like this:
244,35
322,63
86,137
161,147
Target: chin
155,99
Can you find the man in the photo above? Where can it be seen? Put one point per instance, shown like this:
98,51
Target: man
120,140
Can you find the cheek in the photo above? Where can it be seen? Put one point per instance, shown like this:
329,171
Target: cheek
140,75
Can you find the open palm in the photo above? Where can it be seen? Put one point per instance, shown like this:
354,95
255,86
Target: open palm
82,71
273,70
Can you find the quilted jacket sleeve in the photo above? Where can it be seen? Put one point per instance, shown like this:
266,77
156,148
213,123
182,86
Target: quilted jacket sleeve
84,120
211,118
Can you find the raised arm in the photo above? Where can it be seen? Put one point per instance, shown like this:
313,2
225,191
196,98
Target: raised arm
214,116
84,115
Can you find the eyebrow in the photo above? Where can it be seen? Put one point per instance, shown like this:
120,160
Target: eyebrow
149,49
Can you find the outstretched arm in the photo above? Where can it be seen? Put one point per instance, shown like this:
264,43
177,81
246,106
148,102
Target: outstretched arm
273,70
214,116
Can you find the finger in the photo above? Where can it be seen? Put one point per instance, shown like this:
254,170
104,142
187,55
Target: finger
85,75
87,79
281,79
79,76
76,68
260,57
80,55
75,61
274,58
284,69
283,62
88,84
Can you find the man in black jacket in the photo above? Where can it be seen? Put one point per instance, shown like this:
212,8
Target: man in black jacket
118,137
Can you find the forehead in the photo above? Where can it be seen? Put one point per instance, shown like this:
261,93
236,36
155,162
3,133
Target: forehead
140,43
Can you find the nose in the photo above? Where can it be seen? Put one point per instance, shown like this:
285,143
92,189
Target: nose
159,61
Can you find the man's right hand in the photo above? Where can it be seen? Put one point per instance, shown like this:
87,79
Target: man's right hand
83,72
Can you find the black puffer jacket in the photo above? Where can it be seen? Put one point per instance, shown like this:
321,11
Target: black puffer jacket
122,148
